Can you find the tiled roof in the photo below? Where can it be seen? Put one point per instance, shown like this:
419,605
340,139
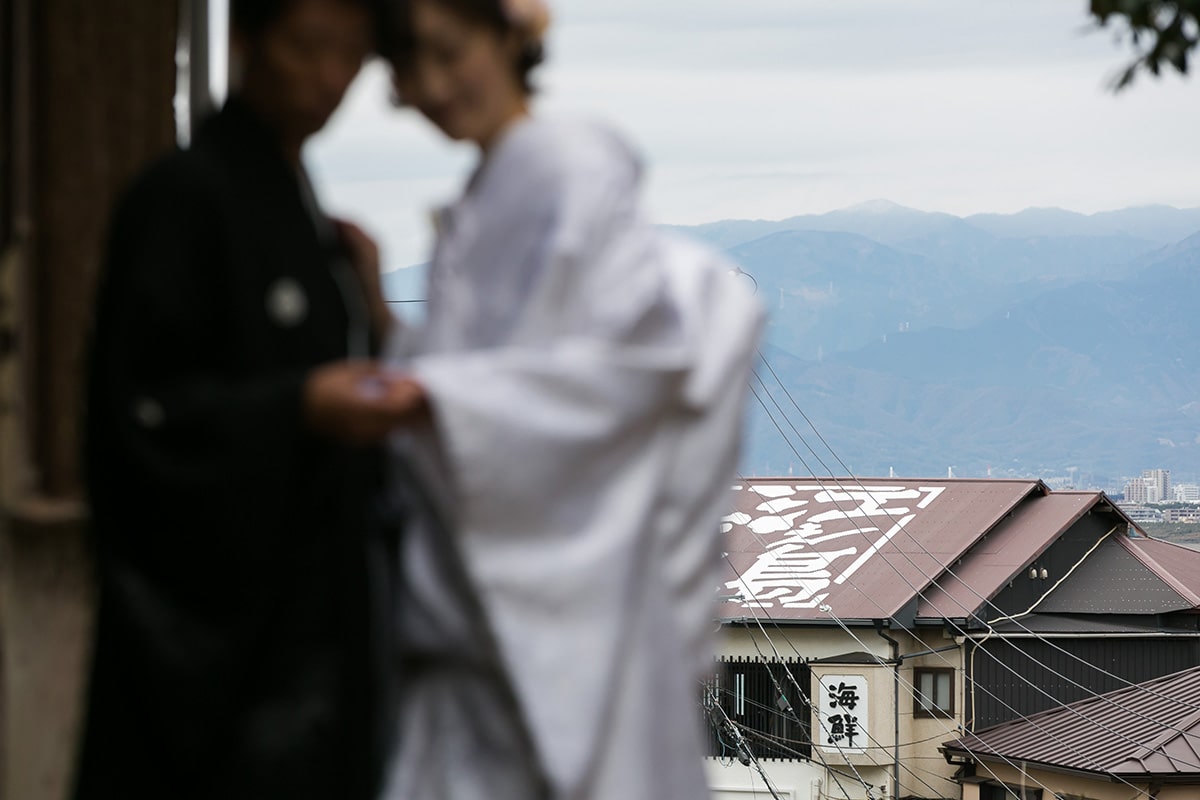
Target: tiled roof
865,548
1151,729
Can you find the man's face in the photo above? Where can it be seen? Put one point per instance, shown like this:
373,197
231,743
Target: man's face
297,71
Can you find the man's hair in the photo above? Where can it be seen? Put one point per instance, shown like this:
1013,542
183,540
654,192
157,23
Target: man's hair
253,17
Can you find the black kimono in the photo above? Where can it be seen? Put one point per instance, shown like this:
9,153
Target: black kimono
234,645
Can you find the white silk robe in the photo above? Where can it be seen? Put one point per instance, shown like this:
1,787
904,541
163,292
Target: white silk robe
587,375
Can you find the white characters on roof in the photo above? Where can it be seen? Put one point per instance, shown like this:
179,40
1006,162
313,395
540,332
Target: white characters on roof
815,538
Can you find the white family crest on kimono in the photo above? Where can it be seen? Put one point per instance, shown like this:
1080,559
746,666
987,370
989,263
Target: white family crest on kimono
588,375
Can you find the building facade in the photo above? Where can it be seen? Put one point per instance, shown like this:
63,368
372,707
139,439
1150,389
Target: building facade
864,619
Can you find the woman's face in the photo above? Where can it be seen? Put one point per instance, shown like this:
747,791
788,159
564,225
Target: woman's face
461,74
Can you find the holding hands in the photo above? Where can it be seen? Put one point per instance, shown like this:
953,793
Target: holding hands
359,402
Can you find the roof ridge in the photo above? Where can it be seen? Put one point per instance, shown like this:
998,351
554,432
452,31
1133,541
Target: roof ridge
1175,730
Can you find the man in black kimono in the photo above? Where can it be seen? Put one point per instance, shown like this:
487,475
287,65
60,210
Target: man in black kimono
231,450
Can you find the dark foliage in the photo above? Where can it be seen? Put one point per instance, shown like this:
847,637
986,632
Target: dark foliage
1164,32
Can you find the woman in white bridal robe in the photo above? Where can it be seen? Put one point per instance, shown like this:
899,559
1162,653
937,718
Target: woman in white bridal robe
585,376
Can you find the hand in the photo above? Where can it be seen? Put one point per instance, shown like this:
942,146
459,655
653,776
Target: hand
357,402
364,256
409,400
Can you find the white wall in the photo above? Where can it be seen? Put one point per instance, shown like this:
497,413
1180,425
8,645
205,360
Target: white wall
792,780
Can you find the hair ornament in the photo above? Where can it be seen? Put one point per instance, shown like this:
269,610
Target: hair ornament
532,16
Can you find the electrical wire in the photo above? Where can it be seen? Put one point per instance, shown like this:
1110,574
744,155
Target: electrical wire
1019,715
1016,712
779,428
947,570
955,732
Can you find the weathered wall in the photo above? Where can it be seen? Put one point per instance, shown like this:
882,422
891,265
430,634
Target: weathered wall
104,79
86,90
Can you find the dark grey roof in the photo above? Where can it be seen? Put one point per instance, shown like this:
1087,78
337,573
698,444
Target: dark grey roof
1179,566
1148,730
857,657
1128,576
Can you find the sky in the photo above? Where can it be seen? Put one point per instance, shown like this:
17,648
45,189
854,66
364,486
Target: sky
764,109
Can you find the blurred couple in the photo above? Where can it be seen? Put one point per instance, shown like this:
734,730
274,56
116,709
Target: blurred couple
340,557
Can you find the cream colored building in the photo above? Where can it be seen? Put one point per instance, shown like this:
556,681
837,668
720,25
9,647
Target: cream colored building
867,623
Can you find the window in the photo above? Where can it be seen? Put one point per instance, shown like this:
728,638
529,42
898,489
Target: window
996,791
933,694
748,692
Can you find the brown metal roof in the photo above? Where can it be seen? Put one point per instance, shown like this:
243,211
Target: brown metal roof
1148,730
1006,551
865,548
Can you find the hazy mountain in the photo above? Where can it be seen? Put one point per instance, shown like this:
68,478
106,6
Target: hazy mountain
405,289
881,220
1042,340
405,284
1100,374
829,292
1160,224
1004,248
1034,222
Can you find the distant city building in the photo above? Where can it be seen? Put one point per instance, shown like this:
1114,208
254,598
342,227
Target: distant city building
1139,512
1154,486
1181,514
1158,485
1187,493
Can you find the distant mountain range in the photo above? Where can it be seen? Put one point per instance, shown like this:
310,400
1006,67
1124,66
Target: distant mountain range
1039,343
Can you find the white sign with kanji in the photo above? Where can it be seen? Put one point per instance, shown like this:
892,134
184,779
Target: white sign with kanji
842,703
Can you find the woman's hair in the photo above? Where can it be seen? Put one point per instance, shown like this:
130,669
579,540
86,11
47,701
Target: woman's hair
397,40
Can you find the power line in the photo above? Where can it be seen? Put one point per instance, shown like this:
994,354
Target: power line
1021,677
918,591
779,429
911,686
947,570
955,732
